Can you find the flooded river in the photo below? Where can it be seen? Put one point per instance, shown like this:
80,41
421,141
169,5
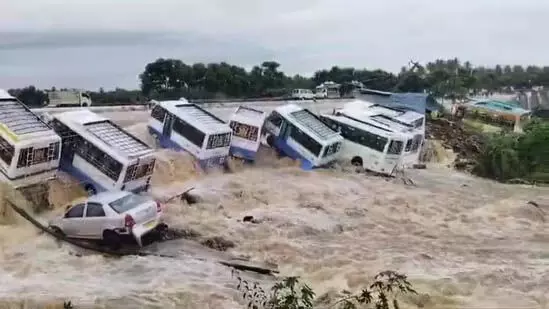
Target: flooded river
464,242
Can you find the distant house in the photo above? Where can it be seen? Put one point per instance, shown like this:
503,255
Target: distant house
418,102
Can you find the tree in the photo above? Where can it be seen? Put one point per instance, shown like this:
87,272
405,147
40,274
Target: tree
31,96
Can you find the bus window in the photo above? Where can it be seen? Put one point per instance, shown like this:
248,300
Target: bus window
408,145
331,149
219,140
305,140
395,147
189,132
6,151
158,113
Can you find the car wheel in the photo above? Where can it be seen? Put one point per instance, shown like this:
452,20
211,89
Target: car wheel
112,239
57,231
90,189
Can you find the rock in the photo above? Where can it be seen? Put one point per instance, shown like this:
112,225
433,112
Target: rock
191,198
250,219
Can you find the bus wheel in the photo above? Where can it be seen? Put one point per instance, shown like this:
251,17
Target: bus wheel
90,189
356,161
270,140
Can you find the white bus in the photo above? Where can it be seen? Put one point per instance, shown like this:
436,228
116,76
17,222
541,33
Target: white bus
399,118
102,155
246,124
184,126
375,147
29,148
299,134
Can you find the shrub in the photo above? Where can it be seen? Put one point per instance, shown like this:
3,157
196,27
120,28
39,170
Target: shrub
290,293
511,156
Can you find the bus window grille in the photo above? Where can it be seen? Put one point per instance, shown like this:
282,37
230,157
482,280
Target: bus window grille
134,171
51,152
30,156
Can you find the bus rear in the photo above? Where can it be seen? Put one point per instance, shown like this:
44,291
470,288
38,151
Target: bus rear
138,173
246,124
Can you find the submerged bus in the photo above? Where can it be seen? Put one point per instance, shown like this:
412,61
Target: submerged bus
299,134
398,118
374,146
102,155
29,148
185,126
246,124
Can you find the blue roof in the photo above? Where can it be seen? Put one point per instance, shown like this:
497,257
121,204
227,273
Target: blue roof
417,102
500,106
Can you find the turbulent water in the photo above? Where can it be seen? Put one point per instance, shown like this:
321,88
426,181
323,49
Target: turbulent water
463,241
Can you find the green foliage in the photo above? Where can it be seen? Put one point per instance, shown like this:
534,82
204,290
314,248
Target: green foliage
172,79
512,156
31,96
289,293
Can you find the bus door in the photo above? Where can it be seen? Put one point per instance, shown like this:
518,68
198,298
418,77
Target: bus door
167,129
285,129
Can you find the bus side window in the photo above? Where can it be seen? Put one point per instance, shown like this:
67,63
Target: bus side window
395,147
158,113
408,145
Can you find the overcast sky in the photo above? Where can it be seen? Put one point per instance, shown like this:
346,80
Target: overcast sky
85,43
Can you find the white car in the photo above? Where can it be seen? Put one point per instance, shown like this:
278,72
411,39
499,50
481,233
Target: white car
109,216
303,94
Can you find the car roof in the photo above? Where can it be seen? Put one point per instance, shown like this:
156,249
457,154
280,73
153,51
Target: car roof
108,196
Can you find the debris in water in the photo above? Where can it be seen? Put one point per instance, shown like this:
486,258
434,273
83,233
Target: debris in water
250,219
218,243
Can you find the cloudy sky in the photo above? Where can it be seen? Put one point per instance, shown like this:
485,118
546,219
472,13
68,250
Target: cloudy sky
89,44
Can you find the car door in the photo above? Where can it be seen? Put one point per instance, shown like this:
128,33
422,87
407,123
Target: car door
73,221
94,220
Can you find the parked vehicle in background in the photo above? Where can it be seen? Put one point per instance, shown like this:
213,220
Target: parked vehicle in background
247,124
328,90
181,125
299,134
303,94
102,155
109,216
68,98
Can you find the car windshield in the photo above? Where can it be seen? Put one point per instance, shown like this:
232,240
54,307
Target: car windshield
128,202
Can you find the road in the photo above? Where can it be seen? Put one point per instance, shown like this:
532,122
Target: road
223,111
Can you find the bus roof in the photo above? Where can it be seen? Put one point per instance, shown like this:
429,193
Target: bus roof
307,119
363,125
105,131
18,121
372,109
249,115
196,116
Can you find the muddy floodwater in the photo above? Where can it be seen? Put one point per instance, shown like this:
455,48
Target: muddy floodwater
463,241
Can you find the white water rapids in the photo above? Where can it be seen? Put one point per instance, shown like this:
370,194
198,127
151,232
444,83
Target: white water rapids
464,242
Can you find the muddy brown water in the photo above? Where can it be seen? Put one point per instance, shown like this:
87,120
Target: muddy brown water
465,242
